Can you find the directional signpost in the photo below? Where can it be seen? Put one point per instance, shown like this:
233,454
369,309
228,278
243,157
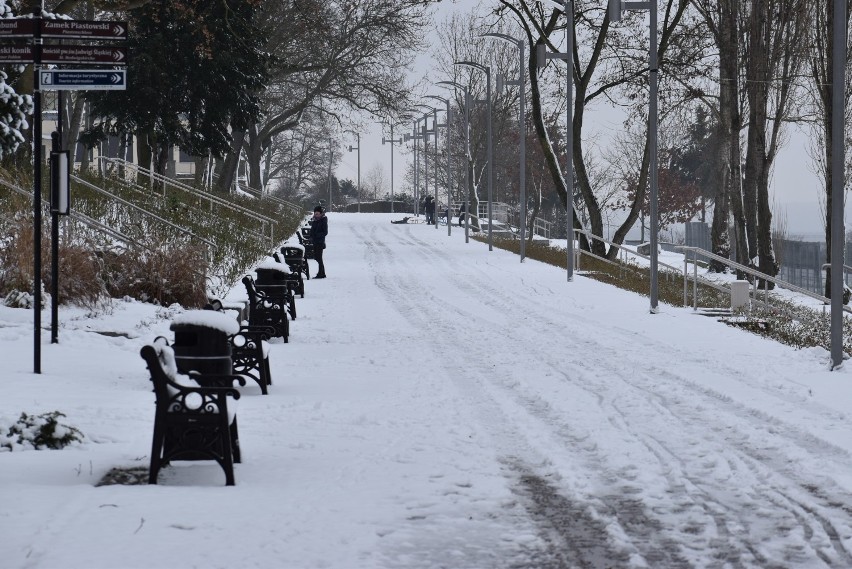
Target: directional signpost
83,80
83,54
83,29
16,53
34,31
12,28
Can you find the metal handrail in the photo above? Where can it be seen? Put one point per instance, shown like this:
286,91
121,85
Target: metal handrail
260,195
187,188
624,248
620,247
846,268
748,270
95,224
133,186
77,216
142,210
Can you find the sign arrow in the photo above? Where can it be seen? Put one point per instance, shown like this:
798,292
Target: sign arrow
82,80
83,54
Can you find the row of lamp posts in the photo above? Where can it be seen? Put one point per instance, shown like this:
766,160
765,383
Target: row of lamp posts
615,9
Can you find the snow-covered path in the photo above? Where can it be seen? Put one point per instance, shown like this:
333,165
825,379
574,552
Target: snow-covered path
440,405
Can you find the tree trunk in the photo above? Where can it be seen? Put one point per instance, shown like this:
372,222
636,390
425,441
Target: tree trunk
228,171
71,130
254,156
144,156
729,159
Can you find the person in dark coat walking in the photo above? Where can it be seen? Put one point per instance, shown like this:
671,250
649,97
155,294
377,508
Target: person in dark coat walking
319,229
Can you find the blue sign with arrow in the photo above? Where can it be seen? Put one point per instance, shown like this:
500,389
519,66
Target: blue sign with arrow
83,80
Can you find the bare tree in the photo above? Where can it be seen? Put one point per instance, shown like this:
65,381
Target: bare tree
299,158
459,40
351,55
375,183
774,55
603,59
821,64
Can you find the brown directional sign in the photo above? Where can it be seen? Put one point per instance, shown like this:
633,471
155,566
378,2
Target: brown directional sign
84,29
16,53
17,27
83,54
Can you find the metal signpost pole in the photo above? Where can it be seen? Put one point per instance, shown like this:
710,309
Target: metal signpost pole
37,159
838,100
615,8
653,120
37,29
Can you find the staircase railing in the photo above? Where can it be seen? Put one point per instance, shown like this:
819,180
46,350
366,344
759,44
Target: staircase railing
265,221
697,251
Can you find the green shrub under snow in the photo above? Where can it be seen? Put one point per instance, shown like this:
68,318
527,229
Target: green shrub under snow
38,432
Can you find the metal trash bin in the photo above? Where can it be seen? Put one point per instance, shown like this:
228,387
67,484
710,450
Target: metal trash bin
202,341
275,280
268,276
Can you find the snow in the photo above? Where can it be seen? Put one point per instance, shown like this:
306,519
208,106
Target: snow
208,319
440,405
273,265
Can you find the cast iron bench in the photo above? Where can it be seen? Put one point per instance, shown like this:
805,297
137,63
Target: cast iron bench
249,349
267,309
304,235
294,257
195,416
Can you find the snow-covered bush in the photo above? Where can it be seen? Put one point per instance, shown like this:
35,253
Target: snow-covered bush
38,432
14,109
19,299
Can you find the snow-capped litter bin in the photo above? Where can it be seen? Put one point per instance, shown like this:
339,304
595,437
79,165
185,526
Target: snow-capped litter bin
202,341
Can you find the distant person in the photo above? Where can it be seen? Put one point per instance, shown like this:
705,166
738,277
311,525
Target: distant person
462,211
430,210
319,229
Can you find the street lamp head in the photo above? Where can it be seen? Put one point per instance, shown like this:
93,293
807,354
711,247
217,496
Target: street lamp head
451,84
475,65
504,37
554,3
437,98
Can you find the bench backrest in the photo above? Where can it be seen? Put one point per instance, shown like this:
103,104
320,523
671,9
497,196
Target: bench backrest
179,393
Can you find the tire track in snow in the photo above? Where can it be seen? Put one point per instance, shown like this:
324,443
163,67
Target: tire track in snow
574,537
762,465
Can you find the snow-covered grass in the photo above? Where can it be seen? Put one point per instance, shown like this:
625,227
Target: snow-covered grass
440,405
